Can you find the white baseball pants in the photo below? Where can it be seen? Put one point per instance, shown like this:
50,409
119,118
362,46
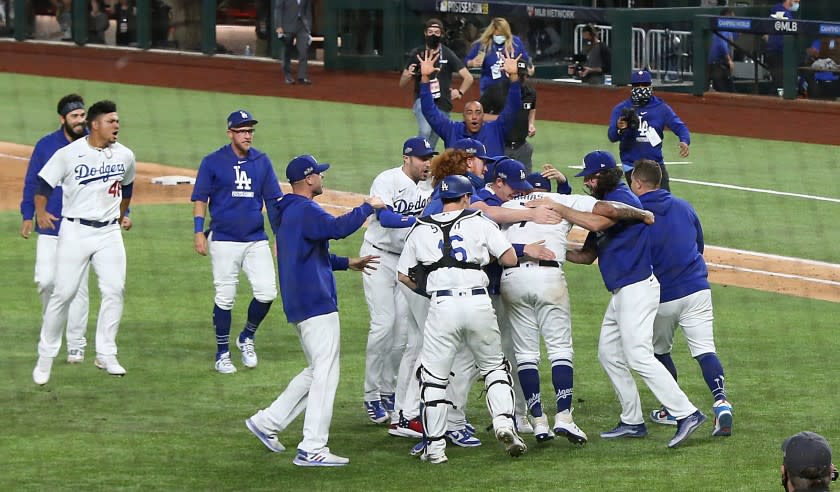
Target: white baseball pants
694,314
509,352
253,258
45,267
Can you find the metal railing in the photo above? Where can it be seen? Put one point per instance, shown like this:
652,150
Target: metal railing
640,55
669,54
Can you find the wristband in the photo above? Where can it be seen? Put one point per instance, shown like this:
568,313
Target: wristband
198,224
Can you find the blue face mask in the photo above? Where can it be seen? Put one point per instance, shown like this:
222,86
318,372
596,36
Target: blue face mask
498,39
794,7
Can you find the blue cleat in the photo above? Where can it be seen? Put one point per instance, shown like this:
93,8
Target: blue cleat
388,401
463,437
625,430
376,412
723,418
685,427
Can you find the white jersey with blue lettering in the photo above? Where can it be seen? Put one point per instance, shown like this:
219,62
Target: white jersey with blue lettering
554,235
405,197
475,238
90,178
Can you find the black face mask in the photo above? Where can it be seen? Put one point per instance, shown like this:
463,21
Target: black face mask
433,41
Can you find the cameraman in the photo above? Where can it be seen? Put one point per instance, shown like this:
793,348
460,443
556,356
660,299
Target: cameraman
593,64
638,124
806,463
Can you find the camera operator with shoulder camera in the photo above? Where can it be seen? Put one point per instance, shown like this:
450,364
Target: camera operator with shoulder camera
638,125
594,62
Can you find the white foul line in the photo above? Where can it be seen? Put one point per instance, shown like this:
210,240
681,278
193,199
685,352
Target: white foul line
10,156
774,274
777,257
757,190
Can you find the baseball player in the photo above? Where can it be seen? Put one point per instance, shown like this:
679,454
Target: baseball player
96,174
541,181
71,117
623,253
685,298
405,193
638,124
449,249
310,302
236,180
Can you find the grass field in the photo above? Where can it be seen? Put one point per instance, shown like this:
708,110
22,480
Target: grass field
173,424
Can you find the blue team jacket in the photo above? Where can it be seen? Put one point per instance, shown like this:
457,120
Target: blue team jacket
623,249
492,133
676,246
493,58
655,114
44,149
304,262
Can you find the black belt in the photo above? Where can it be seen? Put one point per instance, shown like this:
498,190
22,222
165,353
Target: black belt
93,223
544,263
474,292
515,145
383,250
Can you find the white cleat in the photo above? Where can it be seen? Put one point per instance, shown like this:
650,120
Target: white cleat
41,373
249,356
110,364
523,425
269,439
514,445
75,356
541,430
564,426
224,365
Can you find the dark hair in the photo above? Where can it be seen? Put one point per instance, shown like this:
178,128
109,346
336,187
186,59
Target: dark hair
453,200
591,30
99,108
815,482
648,172
432,23
68,103
607,181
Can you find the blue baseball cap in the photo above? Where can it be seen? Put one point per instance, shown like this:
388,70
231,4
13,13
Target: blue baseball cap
597,161
640,77
512,172
537,180
240,117
473,147
455,186
418,147
302,166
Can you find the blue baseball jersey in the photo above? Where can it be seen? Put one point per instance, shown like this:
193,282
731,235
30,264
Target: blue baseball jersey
304,261
676,245
653,117
44,149
492,134
492,70
623,249
236,189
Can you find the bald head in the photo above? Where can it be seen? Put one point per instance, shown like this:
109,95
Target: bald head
473,116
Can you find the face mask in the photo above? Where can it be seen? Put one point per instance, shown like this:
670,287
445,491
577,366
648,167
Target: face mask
794,7
641,95
498,39
433,41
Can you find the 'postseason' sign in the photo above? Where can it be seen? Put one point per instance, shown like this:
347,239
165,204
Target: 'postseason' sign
463,7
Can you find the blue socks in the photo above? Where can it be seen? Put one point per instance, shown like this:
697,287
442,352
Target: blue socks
257,312
562,377
713,374
221,322
666,361
529,378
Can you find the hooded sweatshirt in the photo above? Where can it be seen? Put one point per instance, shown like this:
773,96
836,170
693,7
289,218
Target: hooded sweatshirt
304,262
635,144
676,239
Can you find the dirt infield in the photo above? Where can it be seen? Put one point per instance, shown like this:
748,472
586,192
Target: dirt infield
734,115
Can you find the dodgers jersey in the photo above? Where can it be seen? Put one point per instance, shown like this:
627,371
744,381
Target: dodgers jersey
475,239
91,179
236,188
403,196
554,235
44,149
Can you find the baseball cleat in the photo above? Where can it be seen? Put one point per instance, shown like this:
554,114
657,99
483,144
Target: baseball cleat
269,439
514,445
376,412
418,448
249,356
406,428
322,458
685,427
224,365
723,418
75,356
110,364
564,426
625,430
388,401
541,430
661,416
523,425
434,459
463,438
43,368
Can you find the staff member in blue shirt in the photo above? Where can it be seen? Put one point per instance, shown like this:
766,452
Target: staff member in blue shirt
310,301
638,124
775,44
496,43
236,179
720,64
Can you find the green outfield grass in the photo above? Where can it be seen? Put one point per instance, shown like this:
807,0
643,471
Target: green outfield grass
174,424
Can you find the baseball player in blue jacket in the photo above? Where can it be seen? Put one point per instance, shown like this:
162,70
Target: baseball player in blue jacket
623,253
685,298
236,179
638,124
492,134
310,301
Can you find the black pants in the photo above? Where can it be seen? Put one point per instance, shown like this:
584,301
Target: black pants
777,70
721,77
664,183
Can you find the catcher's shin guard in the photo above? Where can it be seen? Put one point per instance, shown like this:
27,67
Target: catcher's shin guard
500,400
434,407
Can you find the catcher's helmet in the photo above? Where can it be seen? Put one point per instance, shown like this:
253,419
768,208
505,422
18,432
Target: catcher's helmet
455,187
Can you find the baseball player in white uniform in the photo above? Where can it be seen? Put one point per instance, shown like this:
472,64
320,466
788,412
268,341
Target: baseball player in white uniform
451,247
96,174
405,192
